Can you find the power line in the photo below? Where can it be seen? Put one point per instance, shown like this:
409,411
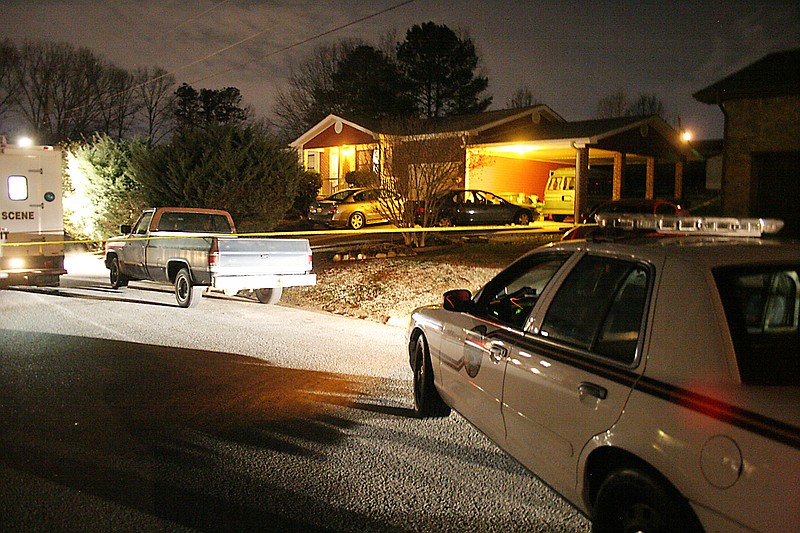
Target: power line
249,38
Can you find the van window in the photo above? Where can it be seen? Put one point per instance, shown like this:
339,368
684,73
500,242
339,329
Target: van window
17,188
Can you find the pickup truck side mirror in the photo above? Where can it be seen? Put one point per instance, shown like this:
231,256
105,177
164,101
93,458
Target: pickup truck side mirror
125,229
459,300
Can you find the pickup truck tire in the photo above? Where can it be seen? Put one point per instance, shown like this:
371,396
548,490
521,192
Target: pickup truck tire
187,293
115,275
269,296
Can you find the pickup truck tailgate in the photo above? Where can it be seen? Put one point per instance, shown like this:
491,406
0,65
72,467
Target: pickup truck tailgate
248,256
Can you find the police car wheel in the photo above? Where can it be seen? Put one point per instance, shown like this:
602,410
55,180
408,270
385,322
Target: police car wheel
117,278
632,500
427,401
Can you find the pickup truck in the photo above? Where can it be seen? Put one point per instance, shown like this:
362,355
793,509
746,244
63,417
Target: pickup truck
197,250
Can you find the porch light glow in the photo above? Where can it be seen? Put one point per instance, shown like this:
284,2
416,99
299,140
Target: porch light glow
687,136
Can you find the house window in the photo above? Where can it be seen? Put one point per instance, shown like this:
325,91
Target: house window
312,161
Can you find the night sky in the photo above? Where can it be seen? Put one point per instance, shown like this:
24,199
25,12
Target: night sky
570,53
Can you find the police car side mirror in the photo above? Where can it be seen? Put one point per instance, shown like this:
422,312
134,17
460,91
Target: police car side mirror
459,300
125,229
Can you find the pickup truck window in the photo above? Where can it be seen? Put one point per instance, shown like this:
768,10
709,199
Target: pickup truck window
194,223
143,223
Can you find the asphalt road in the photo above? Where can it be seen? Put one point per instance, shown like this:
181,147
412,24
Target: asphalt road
120,411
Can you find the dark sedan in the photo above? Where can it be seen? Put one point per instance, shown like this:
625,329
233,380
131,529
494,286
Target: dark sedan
466,207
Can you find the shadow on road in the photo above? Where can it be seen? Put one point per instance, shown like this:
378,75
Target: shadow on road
150,428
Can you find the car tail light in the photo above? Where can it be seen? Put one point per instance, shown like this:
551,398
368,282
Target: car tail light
213,254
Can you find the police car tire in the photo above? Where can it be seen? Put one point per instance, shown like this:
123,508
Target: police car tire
186,293
117,278
630,499
427,402
269,296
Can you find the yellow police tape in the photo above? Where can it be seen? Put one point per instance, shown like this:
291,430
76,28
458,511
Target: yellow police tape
506,229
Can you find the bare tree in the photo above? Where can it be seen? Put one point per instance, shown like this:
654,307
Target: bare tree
297,107
9,88
416,171
613,105
618,104
647,104
120,102
523,97
59,90
157,97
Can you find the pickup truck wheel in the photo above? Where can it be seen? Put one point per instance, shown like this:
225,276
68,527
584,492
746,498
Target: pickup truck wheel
117,278
187,294
356,221
427,401
633,500
269,296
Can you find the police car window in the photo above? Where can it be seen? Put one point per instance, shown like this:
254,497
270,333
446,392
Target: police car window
510,297
762,305
600,307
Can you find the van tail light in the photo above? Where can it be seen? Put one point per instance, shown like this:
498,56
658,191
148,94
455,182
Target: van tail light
213,254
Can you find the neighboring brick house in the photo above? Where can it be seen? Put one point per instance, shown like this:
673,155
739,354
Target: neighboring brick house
761,158
516,150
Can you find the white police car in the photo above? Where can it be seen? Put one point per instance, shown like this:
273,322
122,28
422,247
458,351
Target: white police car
652,380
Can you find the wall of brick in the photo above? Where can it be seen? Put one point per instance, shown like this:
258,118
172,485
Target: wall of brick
755,125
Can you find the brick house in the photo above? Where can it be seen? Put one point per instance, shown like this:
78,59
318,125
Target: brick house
517,149
761,157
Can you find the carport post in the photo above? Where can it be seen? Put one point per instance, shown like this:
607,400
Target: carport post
581,181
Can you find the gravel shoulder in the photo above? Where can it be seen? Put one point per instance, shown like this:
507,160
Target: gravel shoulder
388,289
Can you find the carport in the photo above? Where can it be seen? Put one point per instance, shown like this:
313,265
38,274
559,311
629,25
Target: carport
519,158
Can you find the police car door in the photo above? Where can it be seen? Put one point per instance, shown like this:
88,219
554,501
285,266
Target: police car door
573,373
475,345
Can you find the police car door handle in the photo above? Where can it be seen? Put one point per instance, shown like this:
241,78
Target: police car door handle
591,389
497,353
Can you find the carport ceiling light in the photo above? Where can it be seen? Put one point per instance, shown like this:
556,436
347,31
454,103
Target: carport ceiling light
517,148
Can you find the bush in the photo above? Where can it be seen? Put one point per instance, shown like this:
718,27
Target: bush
307,191
99,192
362,178
239,168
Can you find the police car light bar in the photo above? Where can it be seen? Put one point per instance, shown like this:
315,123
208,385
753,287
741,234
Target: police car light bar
720,226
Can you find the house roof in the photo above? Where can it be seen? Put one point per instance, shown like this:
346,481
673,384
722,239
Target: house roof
777,74
589,130
473,123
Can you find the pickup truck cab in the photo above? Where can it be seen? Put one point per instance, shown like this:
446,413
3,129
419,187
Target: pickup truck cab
197,250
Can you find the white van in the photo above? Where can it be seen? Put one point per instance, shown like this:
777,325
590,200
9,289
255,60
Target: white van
559,193
31,216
